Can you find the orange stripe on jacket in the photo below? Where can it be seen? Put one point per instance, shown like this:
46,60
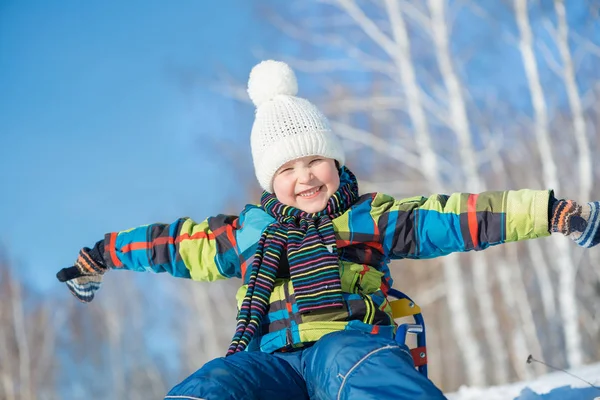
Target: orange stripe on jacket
472,218
231,237
146,245
112,250
211,235
243,267
197,235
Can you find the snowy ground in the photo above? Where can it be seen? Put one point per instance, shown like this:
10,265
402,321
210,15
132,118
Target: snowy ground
554,386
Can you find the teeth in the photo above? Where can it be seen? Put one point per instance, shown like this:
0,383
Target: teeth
307,194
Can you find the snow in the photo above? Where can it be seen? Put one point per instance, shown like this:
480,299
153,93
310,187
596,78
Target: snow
553,386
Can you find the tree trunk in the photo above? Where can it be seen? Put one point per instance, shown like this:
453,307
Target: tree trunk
567,296
584,158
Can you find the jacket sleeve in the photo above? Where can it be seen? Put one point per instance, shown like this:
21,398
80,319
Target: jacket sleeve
422,227
204,251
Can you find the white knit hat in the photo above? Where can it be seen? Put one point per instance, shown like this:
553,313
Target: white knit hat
285,127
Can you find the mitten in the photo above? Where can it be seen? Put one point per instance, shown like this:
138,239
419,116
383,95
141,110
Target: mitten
85,277
581,223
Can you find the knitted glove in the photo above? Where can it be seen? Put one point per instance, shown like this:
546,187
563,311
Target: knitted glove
85,277
581,223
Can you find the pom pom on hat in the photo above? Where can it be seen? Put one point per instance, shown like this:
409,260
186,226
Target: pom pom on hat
269,79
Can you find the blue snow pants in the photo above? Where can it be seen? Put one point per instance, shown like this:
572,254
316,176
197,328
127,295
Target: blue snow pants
341,365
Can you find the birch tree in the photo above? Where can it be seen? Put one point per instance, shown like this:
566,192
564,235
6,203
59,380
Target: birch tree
27,370
566,269
468,155
584,158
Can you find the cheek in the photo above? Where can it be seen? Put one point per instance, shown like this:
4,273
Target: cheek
333,180
282,187
328,174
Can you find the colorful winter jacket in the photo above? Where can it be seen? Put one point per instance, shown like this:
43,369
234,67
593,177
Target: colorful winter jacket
372,232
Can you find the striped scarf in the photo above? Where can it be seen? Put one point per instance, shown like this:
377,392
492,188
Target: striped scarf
309,240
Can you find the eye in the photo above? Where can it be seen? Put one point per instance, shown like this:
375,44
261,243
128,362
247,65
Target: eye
316,160
284,170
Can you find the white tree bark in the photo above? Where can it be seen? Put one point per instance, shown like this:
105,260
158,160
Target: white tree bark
488,315
7,384
567,300
457,294
403,60
456,102
399,51
113,319
211,316
547,292
8,387
468,161
379,145
537,95
207,335
53,321
567,295
461,323
525,337
25,384
584,158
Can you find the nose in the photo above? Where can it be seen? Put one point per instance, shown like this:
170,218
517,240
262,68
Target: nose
304,175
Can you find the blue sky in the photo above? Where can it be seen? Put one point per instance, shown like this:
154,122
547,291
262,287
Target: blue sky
98,130
109,120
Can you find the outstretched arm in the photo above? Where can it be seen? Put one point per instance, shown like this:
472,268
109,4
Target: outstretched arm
205,251
439,225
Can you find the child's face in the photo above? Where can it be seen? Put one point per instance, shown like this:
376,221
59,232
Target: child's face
307,183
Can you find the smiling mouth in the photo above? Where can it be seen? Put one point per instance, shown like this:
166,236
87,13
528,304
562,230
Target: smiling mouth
307,194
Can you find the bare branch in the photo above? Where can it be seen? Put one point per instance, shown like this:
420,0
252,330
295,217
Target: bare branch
382,146
412,12
588,45
549,58
323,65
369,61
369,27
303,35
378,186
368,104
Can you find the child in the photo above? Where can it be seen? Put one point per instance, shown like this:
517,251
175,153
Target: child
313,320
